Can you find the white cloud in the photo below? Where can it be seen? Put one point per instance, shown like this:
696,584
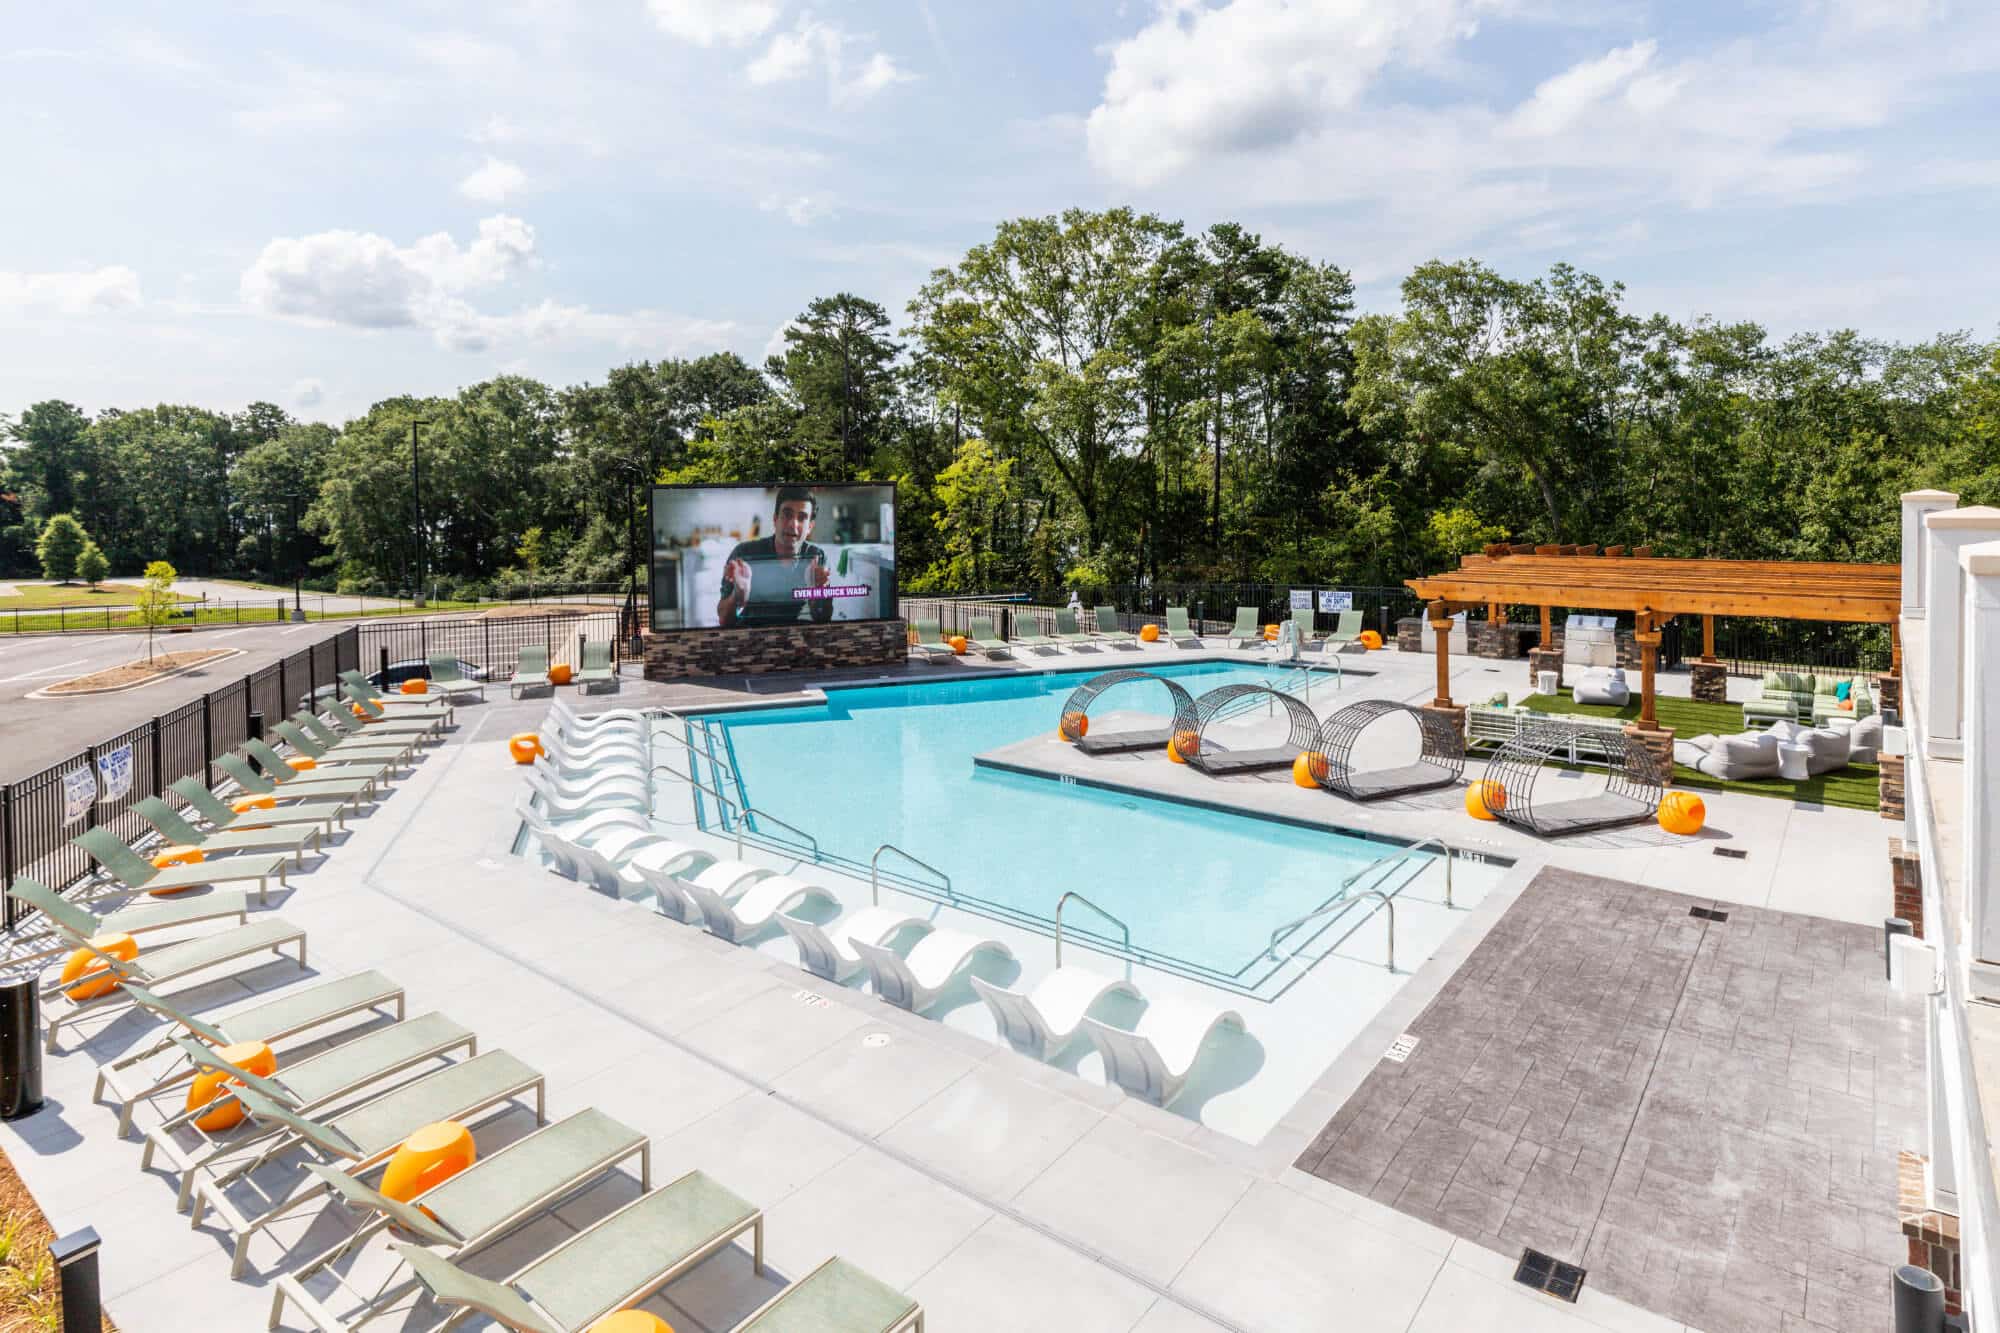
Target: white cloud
813,44
1560,102
308,393
714,22
801,210
78,292
493,181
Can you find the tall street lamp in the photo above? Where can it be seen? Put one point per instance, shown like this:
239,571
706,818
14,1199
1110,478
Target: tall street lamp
417,501
299,570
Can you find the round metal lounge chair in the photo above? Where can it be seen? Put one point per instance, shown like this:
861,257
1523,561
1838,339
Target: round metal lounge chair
1130,738
1227,701
1440,763
1531,799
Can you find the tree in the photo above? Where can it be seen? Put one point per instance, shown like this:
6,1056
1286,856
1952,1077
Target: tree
531,552
91,566
156,600
838,367
973,492
61,543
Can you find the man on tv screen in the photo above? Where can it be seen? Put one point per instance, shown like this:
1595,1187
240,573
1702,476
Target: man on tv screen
761,578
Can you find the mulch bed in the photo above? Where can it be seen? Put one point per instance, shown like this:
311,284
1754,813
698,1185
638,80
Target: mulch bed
134,673
30,1297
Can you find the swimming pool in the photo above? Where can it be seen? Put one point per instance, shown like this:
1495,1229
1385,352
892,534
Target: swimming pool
1199,889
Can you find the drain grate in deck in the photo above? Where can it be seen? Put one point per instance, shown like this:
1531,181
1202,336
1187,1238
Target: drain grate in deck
1733,853
1707,914
1547,1273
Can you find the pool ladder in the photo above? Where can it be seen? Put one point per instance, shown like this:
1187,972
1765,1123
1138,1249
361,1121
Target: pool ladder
1345,897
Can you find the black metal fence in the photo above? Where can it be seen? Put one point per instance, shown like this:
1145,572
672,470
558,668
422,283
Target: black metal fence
1750,647
39,814
1211,606
491,644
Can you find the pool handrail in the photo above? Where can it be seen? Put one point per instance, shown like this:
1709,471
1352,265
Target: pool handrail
1395,859
875,872
1118,921
743,812
1340,901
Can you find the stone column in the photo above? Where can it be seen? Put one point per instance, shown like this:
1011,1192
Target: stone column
1709,682
1947,533
1981,565
1916,505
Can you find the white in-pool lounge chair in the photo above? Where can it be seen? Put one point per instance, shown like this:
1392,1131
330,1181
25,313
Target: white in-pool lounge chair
358,1137
585,723
287,1014
609,744
1043,1021
171,962
828,951
1156,1057
664,869
602,793
611,860
743,914
918,981
560,842
470,1210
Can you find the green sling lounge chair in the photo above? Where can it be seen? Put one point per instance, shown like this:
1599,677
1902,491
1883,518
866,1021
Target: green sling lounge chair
596,669
987,639
448,679
1309,636
1178,632
74,923
305,787
338,1073
1028,632
1246,629
135,872
171,962
287,1015
358,689
291,840
531,672
608,1266
343,725
358,1137
1067,633
393,751
836,1297
930,642
1346,631
279,769
218,814
1108,628
471,1209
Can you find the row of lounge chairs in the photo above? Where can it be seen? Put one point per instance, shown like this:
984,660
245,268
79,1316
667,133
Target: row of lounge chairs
340,1103
1247,632
599,831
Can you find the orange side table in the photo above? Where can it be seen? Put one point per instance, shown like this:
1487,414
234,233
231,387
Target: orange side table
431,1156
632,1321
252,1056
85,968
559,674
178,854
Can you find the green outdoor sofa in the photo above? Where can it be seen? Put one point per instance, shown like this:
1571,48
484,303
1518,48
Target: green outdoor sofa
1789,696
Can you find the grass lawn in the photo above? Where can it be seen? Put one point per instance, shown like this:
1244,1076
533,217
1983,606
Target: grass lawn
1856,787
49,596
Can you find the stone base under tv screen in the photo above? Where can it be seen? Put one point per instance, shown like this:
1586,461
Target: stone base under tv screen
679,654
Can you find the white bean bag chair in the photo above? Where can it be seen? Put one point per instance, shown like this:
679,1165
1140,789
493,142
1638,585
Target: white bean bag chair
1864,743
1826,749
1750,754
1601,685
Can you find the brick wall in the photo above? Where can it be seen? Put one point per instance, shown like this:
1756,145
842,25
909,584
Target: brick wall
1906,878
1890,783
679,654
1932,1236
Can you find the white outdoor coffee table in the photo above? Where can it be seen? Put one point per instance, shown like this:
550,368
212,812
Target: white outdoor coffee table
1792,761
1545,681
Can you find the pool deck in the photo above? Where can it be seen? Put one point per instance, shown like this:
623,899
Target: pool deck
1001,1192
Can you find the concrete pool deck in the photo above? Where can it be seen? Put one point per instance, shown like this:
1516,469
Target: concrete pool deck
1001,1192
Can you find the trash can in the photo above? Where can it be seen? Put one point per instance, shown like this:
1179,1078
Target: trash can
20,1049
256,726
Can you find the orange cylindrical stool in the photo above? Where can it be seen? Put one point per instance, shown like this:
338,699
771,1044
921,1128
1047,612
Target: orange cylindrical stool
957,642
85,968
242,803
1483,797
178,854
416,685
525,746
1308,769
431,1156
632,1321
1075,726
1149,633
1270,633
1682,812
254,1056
559,674
1370,640
302,762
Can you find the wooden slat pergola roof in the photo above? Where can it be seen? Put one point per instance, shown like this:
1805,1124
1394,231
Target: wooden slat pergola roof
1781,589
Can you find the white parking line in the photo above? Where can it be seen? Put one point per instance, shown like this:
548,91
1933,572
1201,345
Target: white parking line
45,671
297,629
224,634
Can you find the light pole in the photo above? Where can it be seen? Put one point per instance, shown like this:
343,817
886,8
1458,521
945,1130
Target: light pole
417,501
298,570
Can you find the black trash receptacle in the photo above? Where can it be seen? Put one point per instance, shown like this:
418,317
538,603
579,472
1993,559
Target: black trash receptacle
256,726
20,1049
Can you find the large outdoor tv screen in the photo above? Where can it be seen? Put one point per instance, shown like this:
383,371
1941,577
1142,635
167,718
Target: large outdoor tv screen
751,556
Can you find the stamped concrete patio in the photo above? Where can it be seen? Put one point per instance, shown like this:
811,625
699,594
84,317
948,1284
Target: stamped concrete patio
1705,1115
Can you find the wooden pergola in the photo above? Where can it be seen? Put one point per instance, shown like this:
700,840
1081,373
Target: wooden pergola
1654,591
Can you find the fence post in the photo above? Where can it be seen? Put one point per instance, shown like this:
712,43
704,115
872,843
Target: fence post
159,771
486,651
284,689
7,857
423,639
207,736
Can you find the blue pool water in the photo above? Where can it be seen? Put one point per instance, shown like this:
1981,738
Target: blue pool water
894,764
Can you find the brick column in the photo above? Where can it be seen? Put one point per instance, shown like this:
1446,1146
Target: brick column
1906,879
1544,659
1889,694
1933,1235
1889,785
1947,533
1452,713
1710,682
1917,505
1658,742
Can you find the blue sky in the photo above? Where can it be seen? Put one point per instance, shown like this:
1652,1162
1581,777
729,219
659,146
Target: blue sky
322,204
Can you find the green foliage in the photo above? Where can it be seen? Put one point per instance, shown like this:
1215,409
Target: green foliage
972,494
60,546
156,600
91,566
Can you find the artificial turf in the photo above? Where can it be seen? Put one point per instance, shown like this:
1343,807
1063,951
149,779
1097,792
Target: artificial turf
1856,787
